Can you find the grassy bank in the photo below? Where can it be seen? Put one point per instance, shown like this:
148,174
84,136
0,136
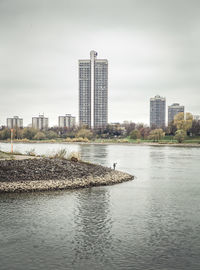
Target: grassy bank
165,140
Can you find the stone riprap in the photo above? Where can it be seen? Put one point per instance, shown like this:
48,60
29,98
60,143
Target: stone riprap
55,174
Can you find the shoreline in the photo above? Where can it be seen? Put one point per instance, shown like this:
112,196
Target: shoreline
30,175
109,143
116,177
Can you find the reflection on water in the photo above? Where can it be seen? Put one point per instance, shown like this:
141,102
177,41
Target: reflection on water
93,224
152,222
96,153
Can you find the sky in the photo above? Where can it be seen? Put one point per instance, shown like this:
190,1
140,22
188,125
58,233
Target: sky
152,46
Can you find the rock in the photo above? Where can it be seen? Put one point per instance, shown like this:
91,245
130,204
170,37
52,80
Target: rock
48,174
74,159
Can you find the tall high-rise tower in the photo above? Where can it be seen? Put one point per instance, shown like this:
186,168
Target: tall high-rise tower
93,91
173,110
157,111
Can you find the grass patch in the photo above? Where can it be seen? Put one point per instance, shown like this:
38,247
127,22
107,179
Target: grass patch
5,155
61,154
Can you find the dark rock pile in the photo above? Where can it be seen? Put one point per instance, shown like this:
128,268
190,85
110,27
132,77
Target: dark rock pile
41,174
48,169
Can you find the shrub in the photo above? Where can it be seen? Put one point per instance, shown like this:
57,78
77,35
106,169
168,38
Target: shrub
156,135
59,154
68,140
39,136
24,140
80,139
135,134
51,134
122,141
84,133
29,133
5,134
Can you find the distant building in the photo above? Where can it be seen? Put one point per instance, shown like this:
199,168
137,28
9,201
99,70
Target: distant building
40,122
157,111
196,117
14,122
93,91
68,121
173,110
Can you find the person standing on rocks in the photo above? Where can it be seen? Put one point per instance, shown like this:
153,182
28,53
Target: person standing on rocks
114,165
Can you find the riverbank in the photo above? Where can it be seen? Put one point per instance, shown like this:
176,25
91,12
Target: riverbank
41,174
111,142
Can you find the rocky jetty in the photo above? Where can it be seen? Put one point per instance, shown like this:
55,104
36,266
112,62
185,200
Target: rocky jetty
54,174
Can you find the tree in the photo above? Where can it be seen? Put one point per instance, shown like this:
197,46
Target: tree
84,133
129,126
171,129
180,135
135,134
29,133
156,134
145,132
51,134
195,129
182,121
5,134
18,133
39,136
110,131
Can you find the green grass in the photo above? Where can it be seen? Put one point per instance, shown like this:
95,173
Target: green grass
165,140
4,155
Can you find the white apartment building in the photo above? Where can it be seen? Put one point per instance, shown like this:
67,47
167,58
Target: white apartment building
40,122
67,121
14,122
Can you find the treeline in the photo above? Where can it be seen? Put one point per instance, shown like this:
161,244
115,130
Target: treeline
30,133
181,127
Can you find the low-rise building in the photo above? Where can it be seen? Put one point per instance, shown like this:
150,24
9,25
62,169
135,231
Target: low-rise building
40,122
173,110
68,121
14,122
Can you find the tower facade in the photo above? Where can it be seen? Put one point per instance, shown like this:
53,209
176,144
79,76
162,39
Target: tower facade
93,91
157,111
67,121
40,122
14,122
173,110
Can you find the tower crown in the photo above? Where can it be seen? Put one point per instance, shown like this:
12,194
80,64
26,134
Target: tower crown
93,54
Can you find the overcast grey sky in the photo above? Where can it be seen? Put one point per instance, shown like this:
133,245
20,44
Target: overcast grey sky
153,47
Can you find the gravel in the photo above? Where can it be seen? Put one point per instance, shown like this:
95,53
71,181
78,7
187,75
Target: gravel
47,169
44,174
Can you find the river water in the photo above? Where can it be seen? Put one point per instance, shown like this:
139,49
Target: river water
152,222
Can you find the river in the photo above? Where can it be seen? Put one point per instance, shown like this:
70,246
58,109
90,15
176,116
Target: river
152,222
